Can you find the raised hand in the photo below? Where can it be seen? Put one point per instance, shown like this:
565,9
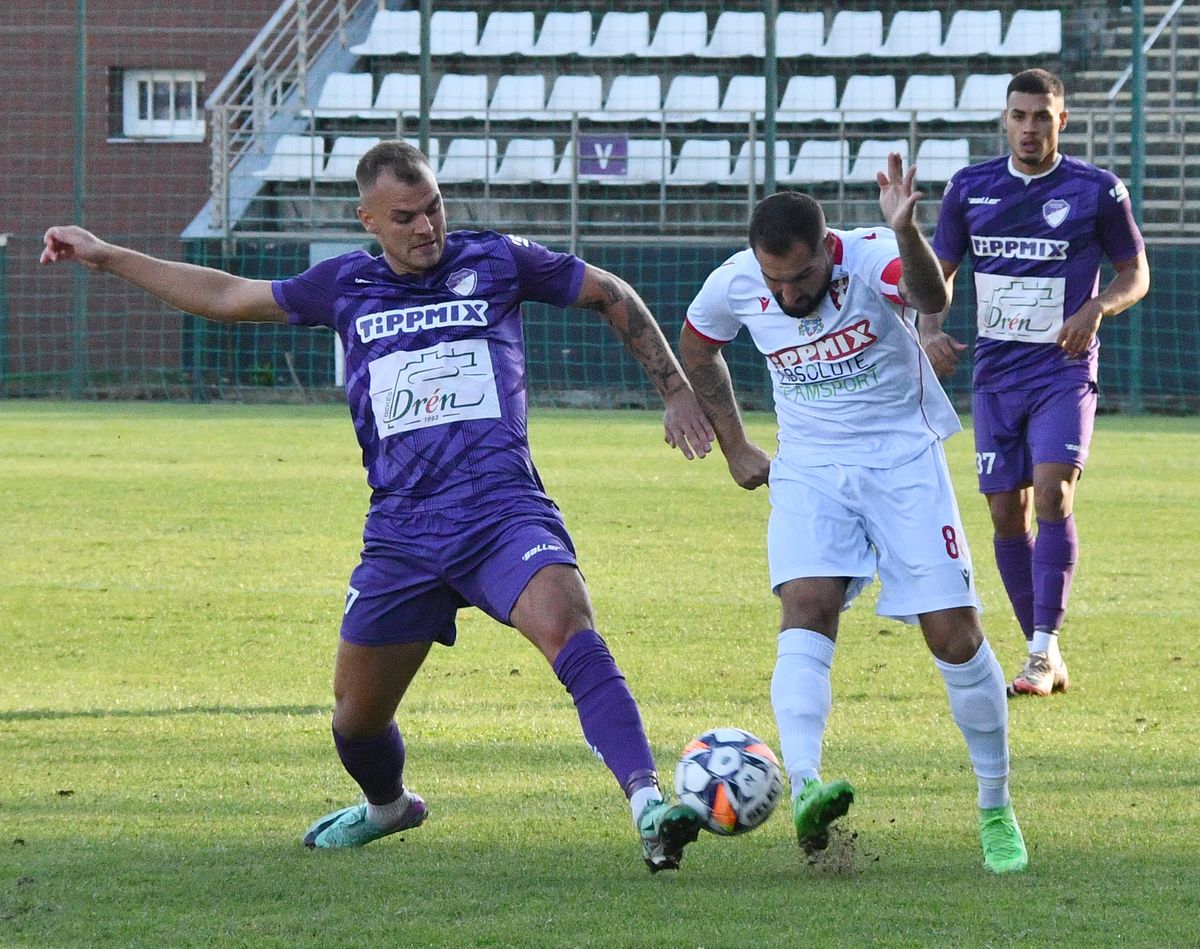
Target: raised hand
897,199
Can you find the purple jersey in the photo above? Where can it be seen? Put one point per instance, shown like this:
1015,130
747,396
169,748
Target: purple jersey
435,363
1036,245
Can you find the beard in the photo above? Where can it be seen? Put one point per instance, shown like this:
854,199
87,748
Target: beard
807,305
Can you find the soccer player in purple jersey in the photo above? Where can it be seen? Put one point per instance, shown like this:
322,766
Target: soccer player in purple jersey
1035,224
435,379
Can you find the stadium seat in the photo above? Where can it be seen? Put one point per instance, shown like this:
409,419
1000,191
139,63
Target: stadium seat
853,33
872,157
632,99
344,95
679,34
564,170
526,160
971,33
741,165
701,161
620,34
735,35
460,97
294,158
983,98
930,97
563,34
1032,33
745,96
648,161
392,33
799,33
468,159
518,97
808,99
506,33
452,32
938,159
912,33
573,94
869,99
691,98
399,96
344,156
819,160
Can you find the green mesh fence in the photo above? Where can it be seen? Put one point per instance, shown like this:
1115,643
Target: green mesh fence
638,135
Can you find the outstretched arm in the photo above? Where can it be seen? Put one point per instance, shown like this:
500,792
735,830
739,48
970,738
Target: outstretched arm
923,285
203,291
684,424
748,464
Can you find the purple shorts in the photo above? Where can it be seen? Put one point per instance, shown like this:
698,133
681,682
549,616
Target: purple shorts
418,570
1018,429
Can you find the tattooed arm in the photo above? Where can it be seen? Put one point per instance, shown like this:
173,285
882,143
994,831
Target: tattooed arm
706,368
684,424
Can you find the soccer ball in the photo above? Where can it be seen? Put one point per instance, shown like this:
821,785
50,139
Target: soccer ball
730,778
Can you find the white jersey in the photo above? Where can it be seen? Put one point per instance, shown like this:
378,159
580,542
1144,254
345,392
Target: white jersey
851,382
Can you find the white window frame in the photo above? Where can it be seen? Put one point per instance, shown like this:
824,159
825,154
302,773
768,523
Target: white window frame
139,90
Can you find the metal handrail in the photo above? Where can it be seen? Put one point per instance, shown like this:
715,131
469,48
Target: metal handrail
1146,47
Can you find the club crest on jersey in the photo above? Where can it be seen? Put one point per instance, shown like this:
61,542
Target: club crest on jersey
810,325
837,290
462,282
1055,211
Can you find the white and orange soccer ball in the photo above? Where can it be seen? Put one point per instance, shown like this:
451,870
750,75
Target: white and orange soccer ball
730,778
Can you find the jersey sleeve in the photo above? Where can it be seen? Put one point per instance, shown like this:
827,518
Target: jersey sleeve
545,276
1116,229
950,237
308,298
709,315
878,259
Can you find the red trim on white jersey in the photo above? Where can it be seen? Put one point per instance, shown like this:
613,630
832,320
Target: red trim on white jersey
891,278
708,339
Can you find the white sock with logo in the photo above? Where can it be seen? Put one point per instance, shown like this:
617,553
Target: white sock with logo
802,696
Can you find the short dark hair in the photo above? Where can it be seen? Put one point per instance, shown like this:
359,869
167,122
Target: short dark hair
783,219
1038,82
403,160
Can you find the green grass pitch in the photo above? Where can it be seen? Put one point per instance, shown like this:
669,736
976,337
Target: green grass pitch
171,579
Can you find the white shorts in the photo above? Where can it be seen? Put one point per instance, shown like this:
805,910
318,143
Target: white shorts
848,521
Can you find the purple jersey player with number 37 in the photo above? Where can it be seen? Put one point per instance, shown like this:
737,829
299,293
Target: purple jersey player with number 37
1035,224
435,379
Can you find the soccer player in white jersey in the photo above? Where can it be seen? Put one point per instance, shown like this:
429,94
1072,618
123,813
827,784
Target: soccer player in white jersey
1036,223
859,485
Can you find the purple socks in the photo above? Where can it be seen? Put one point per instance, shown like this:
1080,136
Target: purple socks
1014,560
1054,556
376,763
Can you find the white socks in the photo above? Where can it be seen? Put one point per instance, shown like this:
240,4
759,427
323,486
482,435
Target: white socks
801,697
980,709
1046,640
642,798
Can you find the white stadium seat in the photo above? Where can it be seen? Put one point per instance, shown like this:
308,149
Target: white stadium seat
344,156
983,98
620,34
691,98
735,35
399,95
1032,33
294,158
632,99
701,161
506,33
679,33
872,157
452,32
648,161
869,99
938,159
808,99
971,33
460,97
741,165
912,33
819,160
563,34
853,33
526,160
392,33
930,97
468,159
518,97
572,94
745,96
344,95
799,33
